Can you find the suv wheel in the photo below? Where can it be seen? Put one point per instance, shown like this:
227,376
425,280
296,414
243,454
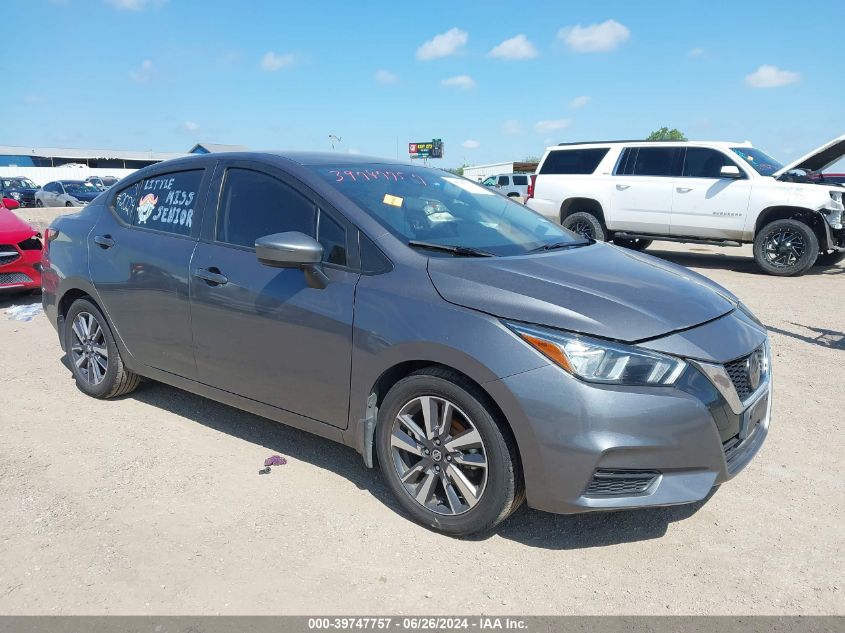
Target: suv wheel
444,455
635,244
585,224
38,203
94,358
830,259
786,247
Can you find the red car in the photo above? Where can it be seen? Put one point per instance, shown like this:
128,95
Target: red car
20,251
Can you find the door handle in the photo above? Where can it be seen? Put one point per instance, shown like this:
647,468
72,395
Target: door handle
211,276
683,189
622,187
105,241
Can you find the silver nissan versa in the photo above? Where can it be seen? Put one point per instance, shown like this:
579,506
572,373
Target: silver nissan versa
475,352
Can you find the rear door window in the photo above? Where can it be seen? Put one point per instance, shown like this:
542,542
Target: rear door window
504,181
573,161
654,161
125,201
167,202
520,180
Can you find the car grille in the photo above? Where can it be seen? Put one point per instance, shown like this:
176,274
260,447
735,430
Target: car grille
734,449
7,279
608,483
738,372
8,254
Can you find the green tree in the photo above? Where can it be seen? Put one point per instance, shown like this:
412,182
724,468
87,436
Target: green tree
665,134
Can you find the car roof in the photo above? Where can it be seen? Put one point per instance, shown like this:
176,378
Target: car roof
587,144
70,182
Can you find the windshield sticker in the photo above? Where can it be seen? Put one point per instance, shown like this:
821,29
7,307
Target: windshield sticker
394,201
167,202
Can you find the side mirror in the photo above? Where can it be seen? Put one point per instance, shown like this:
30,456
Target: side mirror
730,171
293,250
11,204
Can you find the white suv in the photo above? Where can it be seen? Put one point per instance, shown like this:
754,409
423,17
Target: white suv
634,192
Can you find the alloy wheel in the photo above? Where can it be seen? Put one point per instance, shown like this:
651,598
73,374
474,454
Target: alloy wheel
583,228
783,248
89,352
439,455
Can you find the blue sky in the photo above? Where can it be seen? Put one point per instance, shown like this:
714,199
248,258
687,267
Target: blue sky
495,80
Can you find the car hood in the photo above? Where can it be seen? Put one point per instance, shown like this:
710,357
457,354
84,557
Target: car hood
13,229
85,196
22,190
819,159
599,290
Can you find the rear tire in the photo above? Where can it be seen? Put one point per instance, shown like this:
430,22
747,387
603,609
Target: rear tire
635,244
830,259
586,225
786,248
445,499
94,358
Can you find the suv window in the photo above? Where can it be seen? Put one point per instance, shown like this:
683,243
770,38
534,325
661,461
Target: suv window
489,182
520,180
573,161
166,202
703,162
504,181
254,204
649,161
124,202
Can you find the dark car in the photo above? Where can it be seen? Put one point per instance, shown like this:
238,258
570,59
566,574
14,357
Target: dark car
20,189
478,353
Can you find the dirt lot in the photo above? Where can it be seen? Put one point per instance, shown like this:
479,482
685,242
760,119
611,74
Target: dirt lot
154,504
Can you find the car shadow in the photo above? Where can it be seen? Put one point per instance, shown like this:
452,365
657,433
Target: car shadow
736,263
831,339
9,299
526,526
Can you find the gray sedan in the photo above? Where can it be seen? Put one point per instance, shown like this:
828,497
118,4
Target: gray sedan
478,354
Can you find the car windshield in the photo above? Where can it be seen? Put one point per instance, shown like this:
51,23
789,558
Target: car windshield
79,187
24,183
761,162
420,204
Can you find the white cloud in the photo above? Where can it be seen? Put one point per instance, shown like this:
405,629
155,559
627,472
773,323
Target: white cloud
696,52
443,45
143,73
470,144
544,127
271,62
190,126
135,5
519,47
767,76
512,127
580,102
464,82
385,77
595,38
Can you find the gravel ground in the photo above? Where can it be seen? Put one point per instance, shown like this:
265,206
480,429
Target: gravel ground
153,504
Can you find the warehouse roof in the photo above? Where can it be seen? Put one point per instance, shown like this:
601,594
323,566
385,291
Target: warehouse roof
64,152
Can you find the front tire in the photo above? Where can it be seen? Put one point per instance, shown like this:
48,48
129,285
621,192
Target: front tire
786,248
94,358
39,204
586,225
68,204
445,457
635,244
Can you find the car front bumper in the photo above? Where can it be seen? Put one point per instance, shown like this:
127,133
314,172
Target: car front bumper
24,273
587,447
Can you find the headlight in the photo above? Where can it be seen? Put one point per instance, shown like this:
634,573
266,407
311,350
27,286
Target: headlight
836,196
15,195
599,361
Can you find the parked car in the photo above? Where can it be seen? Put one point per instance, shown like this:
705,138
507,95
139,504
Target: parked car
727,194
20,189
511,185
66,193
20,251
478,353
102,182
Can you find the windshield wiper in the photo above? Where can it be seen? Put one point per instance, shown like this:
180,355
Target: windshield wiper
465,251
556,245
